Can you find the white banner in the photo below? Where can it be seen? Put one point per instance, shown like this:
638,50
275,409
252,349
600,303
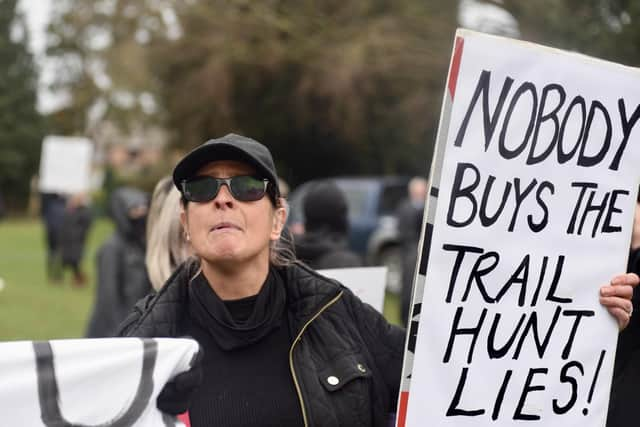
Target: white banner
533,189
89,382
65,165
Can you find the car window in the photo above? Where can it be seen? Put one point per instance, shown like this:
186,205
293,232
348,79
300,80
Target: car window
359,196
362,197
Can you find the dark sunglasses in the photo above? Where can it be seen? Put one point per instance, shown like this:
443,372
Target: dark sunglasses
243,188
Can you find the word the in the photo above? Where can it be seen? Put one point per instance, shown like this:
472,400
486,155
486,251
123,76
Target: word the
583,208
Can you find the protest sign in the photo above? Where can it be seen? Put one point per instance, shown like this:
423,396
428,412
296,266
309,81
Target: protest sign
65,165
533,187
89,382
368,283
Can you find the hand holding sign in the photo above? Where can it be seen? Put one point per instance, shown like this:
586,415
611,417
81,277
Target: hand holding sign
176,395
617,297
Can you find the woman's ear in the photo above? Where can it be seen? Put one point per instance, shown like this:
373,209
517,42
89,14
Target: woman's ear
279,220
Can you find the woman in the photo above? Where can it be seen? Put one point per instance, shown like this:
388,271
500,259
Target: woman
282,345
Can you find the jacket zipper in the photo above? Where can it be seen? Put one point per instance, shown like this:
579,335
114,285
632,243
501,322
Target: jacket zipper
295,341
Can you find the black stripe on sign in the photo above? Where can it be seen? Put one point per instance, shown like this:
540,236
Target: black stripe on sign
426,247
434,191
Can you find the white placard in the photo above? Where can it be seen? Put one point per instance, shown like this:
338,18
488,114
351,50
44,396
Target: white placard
89,382
368,283
65,165
534,184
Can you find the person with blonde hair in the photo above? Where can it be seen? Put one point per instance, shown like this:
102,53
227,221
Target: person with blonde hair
167,247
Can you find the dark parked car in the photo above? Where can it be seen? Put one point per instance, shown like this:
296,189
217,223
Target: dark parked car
373,230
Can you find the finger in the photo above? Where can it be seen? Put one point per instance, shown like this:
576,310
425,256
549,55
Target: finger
621,316
629,279
617,302
622,291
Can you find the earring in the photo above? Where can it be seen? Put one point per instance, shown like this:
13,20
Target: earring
187,237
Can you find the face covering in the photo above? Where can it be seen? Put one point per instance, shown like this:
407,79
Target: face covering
138,229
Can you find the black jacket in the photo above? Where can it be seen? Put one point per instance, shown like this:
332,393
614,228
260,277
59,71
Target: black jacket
624,400
346,359
121,273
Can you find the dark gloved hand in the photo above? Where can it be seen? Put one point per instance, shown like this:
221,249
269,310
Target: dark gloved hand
176,395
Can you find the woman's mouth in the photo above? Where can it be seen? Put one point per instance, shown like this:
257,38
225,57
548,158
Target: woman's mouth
223,226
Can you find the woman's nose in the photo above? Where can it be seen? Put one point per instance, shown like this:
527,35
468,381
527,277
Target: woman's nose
224,197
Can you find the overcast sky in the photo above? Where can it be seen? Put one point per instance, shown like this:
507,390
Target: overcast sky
37,14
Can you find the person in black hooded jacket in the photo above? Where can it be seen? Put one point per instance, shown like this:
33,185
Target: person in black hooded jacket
325,242
121,274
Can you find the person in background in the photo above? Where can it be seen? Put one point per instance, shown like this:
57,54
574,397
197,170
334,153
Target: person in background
76,222
325,241
52,208
167,246
282,345
121,274
624,400
409,214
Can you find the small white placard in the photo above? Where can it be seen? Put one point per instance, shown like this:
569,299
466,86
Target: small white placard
65,165
368,283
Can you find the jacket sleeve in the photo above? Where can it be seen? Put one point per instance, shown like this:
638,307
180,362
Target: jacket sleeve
384,340
107,311
127,327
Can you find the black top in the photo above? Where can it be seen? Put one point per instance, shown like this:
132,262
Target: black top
623,402
339,336
247,380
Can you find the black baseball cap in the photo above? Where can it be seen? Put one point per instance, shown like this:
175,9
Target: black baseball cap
228,147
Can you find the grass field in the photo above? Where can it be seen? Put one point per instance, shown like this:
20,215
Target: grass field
31,308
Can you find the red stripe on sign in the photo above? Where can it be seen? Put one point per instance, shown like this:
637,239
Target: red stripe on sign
402,409
185,419
455,66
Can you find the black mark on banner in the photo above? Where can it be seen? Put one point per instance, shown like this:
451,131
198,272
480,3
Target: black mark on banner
49,395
